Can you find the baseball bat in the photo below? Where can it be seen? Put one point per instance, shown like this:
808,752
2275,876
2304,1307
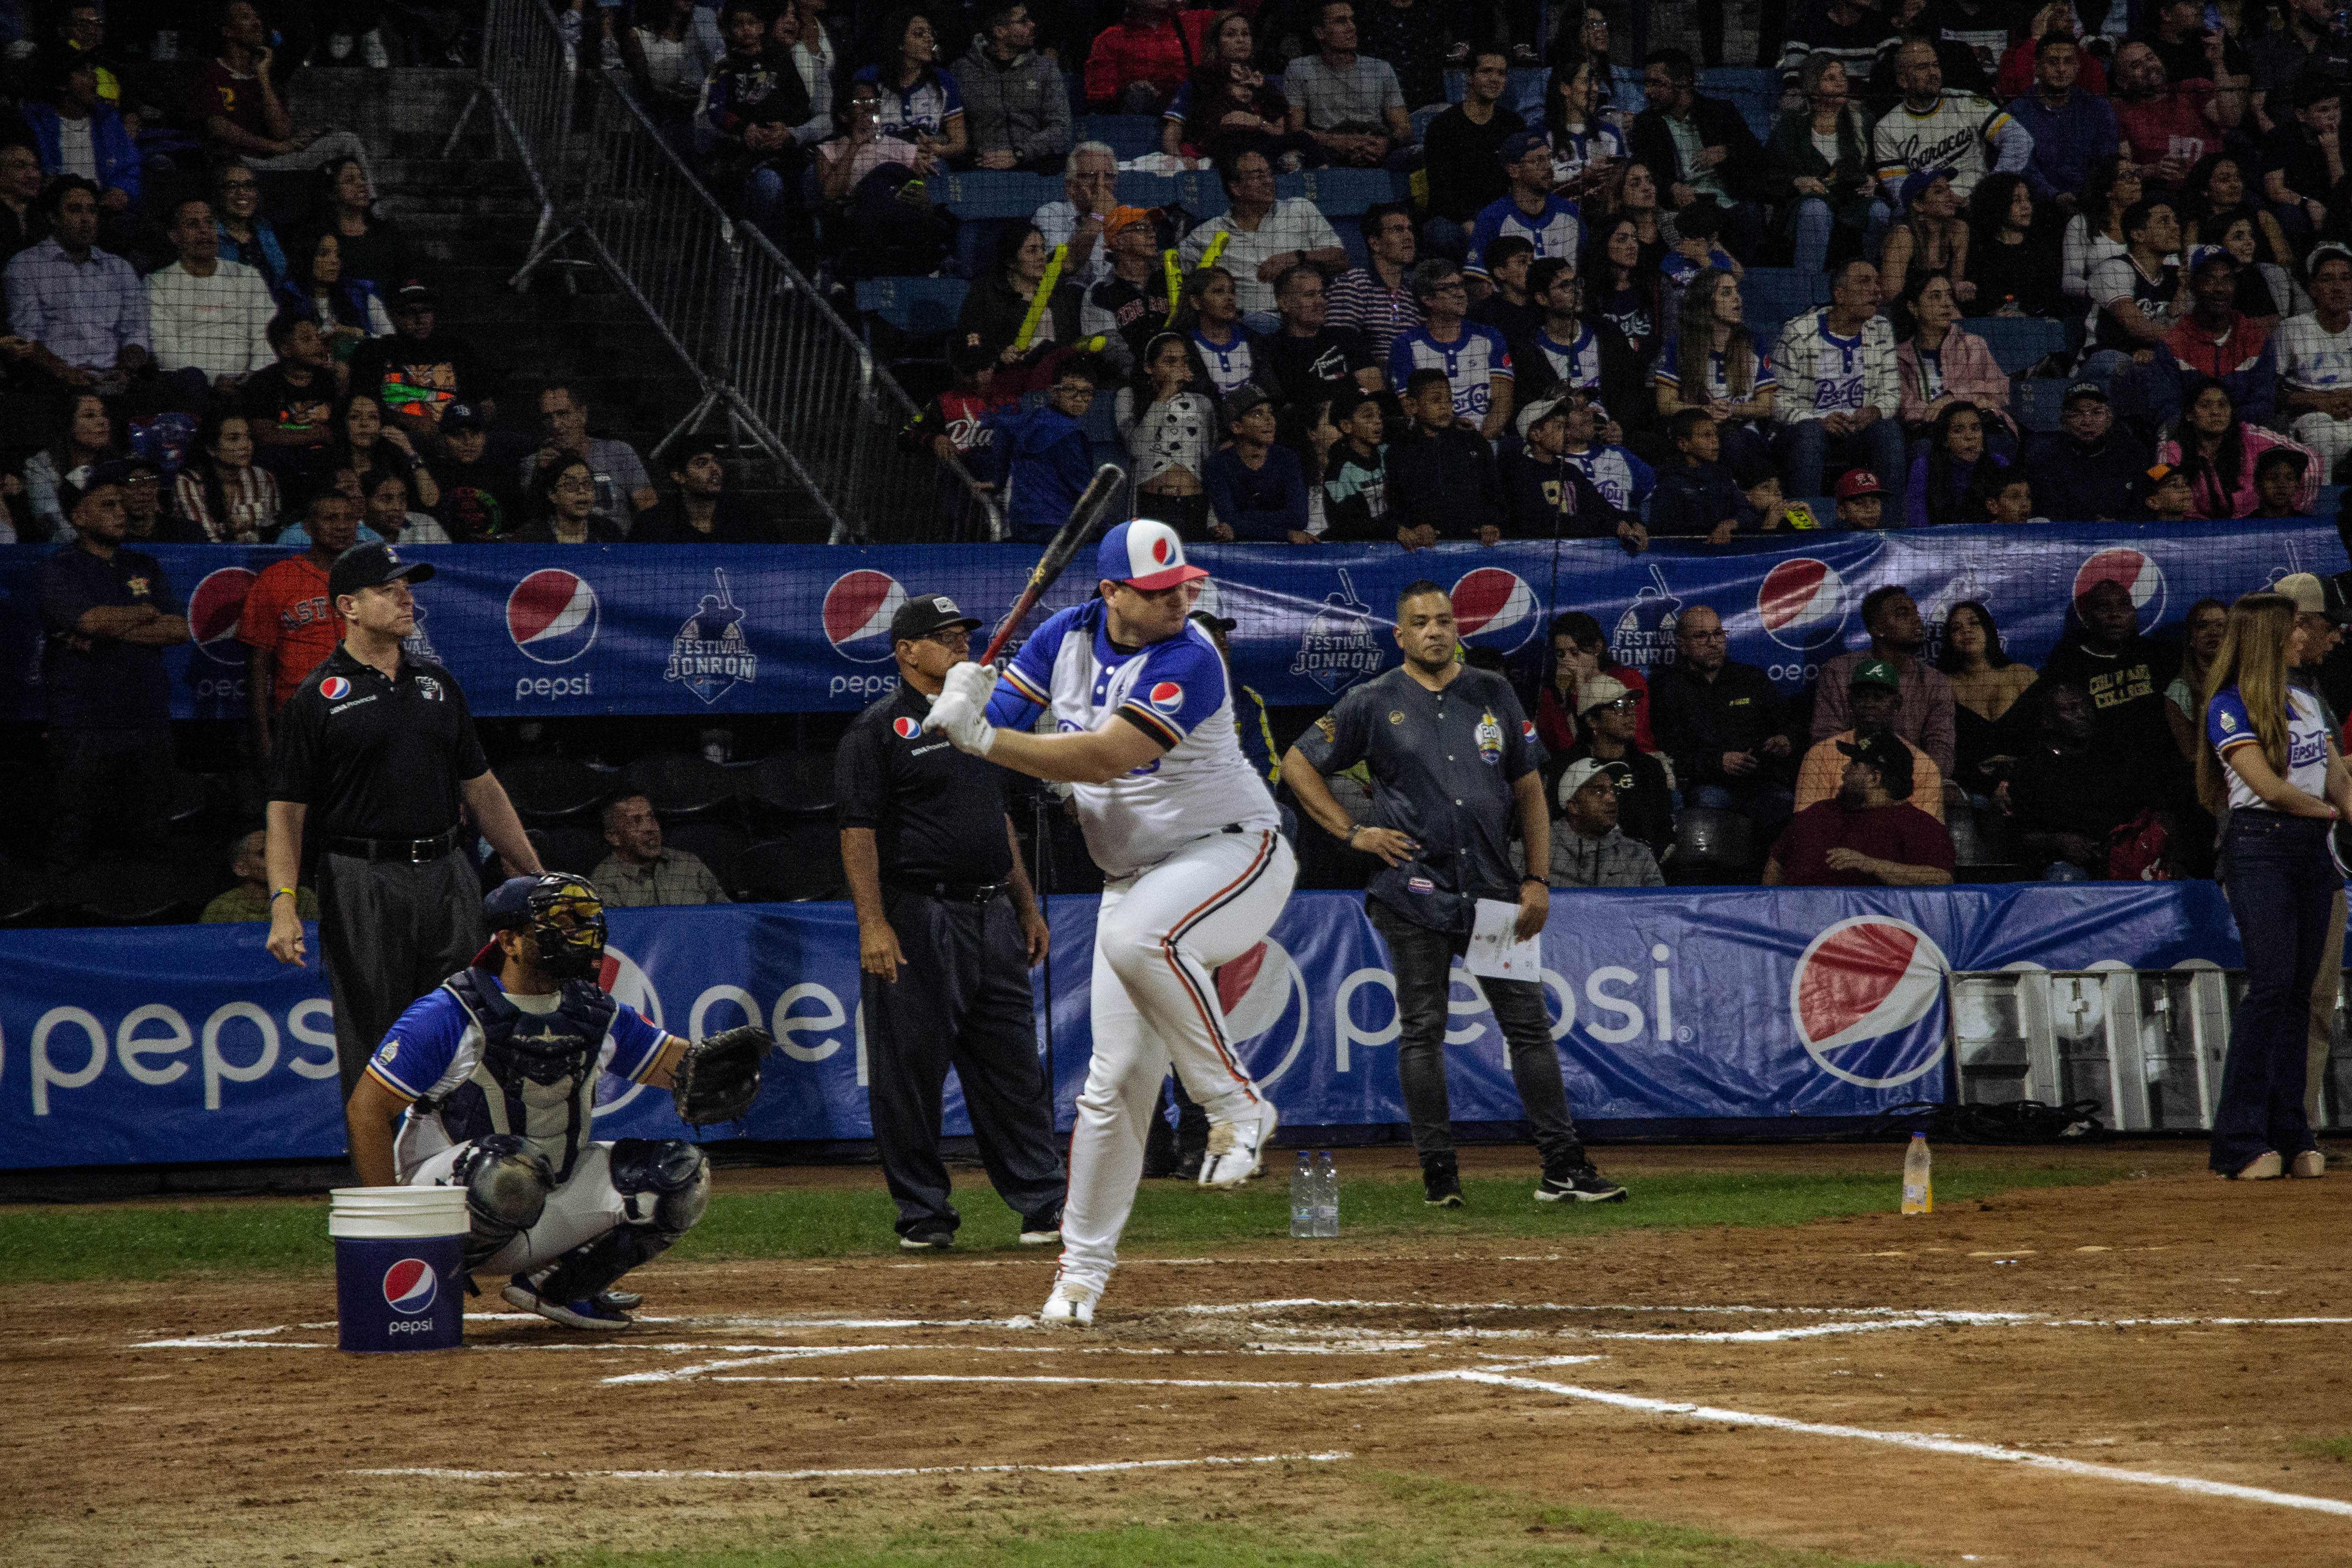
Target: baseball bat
1100,492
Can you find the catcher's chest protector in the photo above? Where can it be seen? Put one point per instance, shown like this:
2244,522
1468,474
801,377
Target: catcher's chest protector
536,1074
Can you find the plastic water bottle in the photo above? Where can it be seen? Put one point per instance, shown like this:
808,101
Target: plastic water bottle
1302,1197
1327,1195
1918,1183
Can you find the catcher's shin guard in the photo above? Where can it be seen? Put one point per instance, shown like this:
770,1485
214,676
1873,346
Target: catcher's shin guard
506,1182
664,1186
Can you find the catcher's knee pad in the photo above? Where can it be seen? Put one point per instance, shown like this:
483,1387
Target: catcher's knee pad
663,1183
506,1180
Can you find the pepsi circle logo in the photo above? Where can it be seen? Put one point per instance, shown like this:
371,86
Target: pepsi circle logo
632,987
1801,602
334,689
908,729
857,611
2136,573
1495,608
1258,992
1160,549
1867,1001
411,1287
214,610
552,616
1166,697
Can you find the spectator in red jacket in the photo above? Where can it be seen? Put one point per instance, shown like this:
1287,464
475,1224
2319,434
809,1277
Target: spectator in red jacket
1138,62
1581,653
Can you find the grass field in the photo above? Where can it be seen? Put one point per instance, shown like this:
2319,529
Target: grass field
154,1241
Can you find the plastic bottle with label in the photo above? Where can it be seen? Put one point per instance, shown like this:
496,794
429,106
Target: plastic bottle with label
1918,1181
1327,1195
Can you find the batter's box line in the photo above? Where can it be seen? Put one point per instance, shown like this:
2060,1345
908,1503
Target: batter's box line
1344,1385
1924,1442
1094,1469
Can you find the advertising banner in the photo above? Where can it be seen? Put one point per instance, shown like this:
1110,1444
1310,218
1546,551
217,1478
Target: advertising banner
192,1043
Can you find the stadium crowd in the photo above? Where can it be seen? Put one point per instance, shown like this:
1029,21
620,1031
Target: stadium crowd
1642,311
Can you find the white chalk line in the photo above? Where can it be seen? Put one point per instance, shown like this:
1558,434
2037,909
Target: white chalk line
1346,1383
1923,1441
1097,1468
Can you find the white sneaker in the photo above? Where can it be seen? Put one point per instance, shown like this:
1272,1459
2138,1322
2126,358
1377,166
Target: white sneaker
1237,1149
1069,1305
372,51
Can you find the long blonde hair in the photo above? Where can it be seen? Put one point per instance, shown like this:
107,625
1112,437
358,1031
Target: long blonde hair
2253,659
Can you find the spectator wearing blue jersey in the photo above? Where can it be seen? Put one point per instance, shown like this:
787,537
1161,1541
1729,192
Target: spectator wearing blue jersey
1693,252
1209,315
1571,348
920,102
1045,457
1839,394
1712,363
1475,360
1256,490
1527,210
1624,481
1547,496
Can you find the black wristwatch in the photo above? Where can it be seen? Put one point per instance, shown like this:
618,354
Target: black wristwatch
1537,881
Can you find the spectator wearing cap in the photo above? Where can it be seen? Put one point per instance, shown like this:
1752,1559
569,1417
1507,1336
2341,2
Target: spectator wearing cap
76,132
108,613
1441,472
1474,360
2311,355
481,498
1624,481
702,511
1527,209
1506,306
1128,305
2217,451
2066,794
80,309
624,489
1042,455
2082,471
1760,483
1267,237
1860,501
2126,673
642,872
1590,847
1838,394
2282,475
2162,495
2213,343
1871,701
290,404
1546,496
1306,359
1606,714
374,761
1016,109
1931,234
1256,491
249,901
1377,299
1462,150
288,625
1356,505
2072,129
1723,724
1135,64
1897,636
1081,219
1699,497
418,371
1349,102
1866,833
1699,148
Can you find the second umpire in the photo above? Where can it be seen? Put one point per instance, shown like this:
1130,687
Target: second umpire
374,758
947,932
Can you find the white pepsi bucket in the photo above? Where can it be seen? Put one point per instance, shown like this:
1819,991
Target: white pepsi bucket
400,1255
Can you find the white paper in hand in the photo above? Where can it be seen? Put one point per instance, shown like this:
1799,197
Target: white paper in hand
1496,949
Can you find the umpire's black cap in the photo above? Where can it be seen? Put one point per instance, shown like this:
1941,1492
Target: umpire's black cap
924,614
372,566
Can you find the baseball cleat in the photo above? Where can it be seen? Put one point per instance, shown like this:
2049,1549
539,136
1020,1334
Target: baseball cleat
620,1300
1038,1230
1580,1183
588,1312
931,1239
1070,1305
1237,1149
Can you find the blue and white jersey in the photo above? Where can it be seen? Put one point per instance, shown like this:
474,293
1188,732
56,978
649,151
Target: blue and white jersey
1472,358
1679,269
1838,371
2227,726
1229,365
927,106
1174,692
1558,230
1624,481
1577,364
1572,152
1669,371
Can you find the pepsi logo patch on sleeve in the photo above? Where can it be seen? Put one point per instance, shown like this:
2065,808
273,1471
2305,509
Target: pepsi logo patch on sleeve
1167,697
1526,730
334,689
906,728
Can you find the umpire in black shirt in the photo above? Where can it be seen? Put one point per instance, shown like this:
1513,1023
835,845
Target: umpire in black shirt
374,758
947,932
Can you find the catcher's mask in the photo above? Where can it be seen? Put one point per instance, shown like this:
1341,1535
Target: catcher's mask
562,911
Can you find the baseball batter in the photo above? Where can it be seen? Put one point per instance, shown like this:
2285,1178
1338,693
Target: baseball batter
494,1078
1195,868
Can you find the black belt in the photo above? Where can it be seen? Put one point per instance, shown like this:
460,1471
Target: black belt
952,892
415,851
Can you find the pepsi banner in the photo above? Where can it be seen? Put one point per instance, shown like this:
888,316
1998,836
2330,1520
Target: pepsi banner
541,630
192,1043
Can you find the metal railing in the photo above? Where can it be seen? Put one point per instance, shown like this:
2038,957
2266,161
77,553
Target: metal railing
764,344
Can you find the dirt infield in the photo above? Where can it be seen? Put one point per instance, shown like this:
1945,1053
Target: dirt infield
2048,1377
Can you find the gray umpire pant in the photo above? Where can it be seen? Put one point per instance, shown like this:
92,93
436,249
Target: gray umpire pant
389,931
961,1000
2324,989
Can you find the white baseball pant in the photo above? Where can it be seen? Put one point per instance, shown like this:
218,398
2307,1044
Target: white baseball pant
1160,934
577,1213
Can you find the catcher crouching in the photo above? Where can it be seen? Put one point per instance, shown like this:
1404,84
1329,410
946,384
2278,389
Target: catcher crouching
494,1078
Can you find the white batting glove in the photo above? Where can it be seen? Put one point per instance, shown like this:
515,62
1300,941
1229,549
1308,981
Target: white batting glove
954,714
974,682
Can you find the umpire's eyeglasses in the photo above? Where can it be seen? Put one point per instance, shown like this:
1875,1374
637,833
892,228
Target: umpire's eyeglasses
951,637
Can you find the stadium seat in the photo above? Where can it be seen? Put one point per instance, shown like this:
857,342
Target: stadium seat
791,783
1202,194
579,850
2019,343
23,894
1755,93
2037,401
805,864
993,195
2330,496
550,790
1129,135
1346,193
680,783
128,893
919,307
1711,845
719,846
1777,293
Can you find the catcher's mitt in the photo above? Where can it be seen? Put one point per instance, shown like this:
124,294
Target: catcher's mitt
717,1078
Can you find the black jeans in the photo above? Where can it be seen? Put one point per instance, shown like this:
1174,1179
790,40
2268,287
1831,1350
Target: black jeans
961,1000
121,778
389,931
2282,888
1422,962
